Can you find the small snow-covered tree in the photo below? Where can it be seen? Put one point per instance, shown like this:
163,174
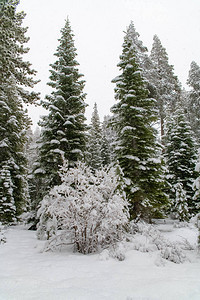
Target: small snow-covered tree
36,183
2,234
7,203
109,138
137,147
63,129
196,185
180,206
89,208
180,155
194,99
94,158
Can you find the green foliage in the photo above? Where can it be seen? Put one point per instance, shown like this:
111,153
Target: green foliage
180,155
167,87
137,149
94,159
63,129
15,75
194,99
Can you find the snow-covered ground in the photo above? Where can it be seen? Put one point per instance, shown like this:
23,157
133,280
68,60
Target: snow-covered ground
28,273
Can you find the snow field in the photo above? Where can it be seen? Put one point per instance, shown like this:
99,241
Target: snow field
28,273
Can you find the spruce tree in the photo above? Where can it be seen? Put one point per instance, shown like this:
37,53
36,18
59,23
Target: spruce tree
180,205
109,137
181,156
194,99
36,184
105,149
142,59
94,141
166,84
137,148
15,75
63,129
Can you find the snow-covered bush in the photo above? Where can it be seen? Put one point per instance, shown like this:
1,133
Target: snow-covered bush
2,234
153,237
87,208
173,253
149,239
196,222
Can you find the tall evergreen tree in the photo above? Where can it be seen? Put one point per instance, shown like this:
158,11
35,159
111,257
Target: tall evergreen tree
194,99
63,129
94,141
137,149
167,86
15,75
142,59
181,156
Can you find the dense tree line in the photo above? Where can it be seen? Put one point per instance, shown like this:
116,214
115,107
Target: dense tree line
156,170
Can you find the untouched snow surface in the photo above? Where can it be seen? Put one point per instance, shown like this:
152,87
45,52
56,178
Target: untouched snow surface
27,273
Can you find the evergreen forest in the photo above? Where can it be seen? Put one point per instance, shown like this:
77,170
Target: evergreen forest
89,182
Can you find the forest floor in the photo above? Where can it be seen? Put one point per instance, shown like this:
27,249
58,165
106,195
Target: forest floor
26,272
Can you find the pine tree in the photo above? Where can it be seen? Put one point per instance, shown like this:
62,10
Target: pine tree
137,149
194,99
94,141
63,129
142,59
36,184
105,149
180,155
167,86
15,75
180,206
109,137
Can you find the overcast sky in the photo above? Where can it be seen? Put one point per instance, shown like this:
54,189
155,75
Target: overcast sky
99,27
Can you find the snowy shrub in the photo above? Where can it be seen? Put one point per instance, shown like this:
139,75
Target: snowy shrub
196,222
152,235
117,251
149,239
173,253
2,234
180,224
104,255
88,209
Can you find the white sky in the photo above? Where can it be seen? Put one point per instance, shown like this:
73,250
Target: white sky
99,27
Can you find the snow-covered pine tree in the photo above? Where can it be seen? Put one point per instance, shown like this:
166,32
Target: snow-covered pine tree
194,99
109,137
105,149
180,205
137,149
15,75
63,129
166,84
7,203
36,184
94,158
180,155
142,59
196,185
